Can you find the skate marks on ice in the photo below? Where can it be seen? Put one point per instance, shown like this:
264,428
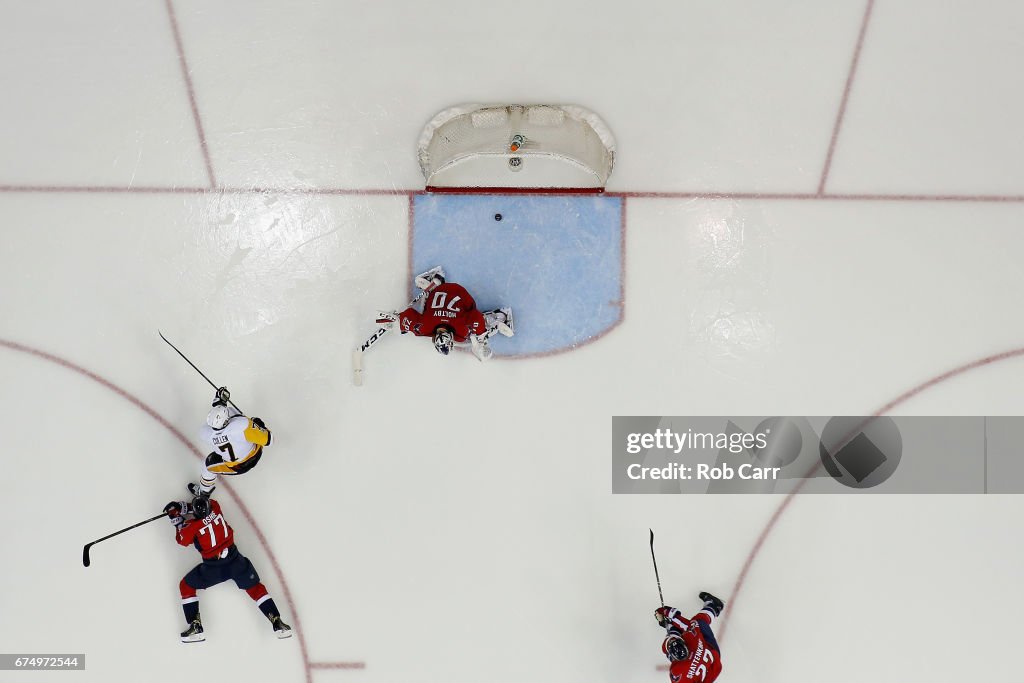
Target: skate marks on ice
556,260
309,666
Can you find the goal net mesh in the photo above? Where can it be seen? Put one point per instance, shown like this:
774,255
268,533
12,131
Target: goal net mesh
541,146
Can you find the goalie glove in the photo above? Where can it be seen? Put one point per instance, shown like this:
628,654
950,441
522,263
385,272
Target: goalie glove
430,279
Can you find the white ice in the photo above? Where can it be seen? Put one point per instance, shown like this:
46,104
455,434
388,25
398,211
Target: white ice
452,522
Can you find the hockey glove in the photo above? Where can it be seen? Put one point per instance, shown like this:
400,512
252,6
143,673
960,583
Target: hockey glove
222,397
262,425
665,615
176,511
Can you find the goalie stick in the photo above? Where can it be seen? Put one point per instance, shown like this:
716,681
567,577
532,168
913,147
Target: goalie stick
85,550
426,283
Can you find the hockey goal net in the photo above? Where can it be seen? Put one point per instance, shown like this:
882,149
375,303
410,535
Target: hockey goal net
516,147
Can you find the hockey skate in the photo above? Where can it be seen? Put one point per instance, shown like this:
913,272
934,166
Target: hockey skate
197,492
281,629
499,321
194,632
430,279
712,603
506,327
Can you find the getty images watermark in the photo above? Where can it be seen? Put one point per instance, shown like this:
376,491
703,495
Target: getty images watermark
817,454
676,443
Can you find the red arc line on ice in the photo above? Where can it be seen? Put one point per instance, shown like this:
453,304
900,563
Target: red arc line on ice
899,400
308,666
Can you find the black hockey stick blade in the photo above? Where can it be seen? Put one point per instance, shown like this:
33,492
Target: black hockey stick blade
85,551
168,341
201,374
656,577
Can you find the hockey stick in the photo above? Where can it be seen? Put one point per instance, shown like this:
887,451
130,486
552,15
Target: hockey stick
85,550
196,369
357,355
655,561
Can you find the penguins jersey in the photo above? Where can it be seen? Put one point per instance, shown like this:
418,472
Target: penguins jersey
239,445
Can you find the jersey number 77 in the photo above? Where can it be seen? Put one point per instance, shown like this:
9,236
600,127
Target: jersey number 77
210,532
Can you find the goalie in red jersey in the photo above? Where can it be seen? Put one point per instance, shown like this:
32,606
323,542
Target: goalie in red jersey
202,524
449,316
689,643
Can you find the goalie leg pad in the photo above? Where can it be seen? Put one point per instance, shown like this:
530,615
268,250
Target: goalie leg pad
500,320
507,327
481,349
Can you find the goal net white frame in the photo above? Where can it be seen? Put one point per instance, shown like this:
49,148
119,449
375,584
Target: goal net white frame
532,148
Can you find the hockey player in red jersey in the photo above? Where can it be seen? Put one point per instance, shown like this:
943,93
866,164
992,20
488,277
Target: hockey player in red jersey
449,316
689,643
202,524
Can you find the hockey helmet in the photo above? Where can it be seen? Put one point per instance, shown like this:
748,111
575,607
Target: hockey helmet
218,416
444,340
200,506
675,648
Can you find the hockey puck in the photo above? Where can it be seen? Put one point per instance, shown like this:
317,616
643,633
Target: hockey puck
497,216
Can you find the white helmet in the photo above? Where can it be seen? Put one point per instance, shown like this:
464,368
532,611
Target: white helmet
444,340
218,416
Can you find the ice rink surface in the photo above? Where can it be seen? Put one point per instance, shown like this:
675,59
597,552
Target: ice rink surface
822,213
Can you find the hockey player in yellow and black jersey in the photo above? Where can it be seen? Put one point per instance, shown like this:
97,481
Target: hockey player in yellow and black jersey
237,441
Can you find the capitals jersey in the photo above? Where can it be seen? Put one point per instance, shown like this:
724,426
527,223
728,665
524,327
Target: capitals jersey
705,661
448,304
211,536
239,444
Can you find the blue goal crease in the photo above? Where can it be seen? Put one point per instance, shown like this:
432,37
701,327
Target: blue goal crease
556,260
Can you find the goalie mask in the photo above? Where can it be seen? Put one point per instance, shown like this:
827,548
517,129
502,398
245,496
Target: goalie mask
675,648
444,340
218,416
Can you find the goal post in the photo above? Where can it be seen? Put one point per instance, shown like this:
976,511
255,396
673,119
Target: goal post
516,148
